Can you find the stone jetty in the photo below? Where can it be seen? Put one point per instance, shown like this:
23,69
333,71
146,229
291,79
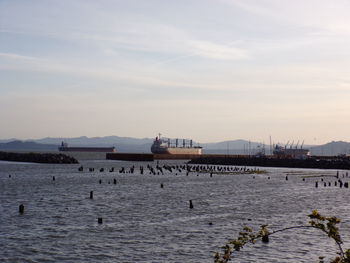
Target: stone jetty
37,157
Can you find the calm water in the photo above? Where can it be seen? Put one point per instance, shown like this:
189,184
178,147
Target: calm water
143,222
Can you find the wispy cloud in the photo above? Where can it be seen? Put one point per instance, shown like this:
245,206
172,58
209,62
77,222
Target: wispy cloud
215,51
321,16
17,57
133,78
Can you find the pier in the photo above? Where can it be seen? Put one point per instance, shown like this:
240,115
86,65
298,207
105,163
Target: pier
314,162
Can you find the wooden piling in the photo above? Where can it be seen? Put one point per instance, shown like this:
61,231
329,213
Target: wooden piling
265,239
21,209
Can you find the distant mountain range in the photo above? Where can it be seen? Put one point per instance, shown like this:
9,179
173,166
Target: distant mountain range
122,144
128,144
331,148
26,146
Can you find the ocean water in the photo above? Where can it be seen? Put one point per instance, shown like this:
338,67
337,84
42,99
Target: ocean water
143,222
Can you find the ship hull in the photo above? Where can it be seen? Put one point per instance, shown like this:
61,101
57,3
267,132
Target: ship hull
87,149
176,150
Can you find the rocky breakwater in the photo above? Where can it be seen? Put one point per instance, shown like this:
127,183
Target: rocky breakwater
37,157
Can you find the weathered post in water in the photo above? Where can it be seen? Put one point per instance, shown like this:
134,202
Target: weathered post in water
21,208
265,239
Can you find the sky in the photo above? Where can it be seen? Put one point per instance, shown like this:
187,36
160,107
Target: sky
210,70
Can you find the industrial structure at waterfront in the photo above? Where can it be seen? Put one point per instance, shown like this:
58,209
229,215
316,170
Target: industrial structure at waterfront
290,151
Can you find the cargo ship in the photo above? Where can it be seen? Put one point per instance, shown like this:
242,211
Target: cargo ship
166,146
64,148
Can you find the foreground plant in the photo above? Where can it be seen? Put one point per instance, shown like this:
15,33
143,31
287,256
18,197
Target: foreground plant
328,225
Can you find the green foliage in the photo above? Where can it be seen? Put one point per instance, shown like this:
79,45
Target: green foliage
328,225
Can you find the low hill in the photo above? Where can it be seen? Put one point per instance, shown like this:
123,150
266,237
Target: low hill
331,148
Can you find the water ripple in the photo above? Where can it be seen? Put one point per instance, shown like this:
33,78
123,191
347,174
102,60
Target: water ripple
143,222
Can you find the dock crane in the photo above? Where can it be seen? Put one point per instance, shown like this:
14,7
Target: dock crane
285,147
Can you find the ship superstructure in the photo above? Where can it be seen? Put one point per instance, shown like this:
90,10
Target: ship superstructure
291,152
168,146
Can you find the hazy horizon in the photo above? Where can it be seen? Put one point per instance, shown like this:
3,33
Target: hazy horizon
207,70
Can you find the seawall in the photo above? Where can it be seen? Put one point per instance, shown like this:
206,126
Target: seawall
148,157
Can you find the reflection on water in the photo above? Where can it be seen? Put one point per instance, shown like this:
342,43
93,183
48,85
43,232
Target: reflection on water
143,222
